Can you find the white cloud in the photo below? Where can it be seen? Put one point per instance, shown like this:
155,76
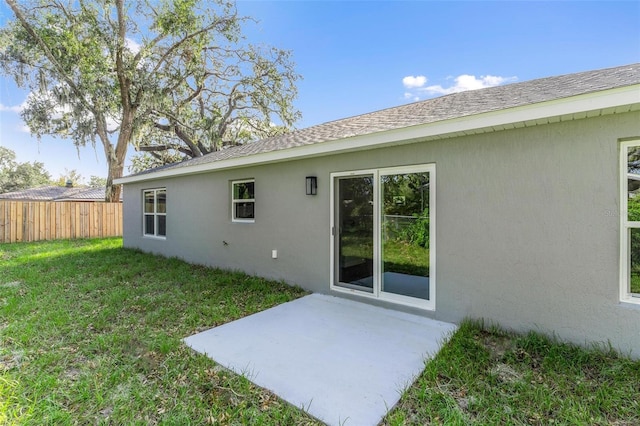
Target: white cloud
411,97
466,82
413,82
16,108
20,125
133,46
113,124
416,89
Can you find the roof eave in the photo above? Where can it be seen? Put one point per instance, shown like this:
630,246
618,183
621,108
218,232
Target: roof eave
603,102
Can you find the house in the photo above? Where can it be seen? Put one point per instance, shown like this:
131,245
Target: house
56,193
507,203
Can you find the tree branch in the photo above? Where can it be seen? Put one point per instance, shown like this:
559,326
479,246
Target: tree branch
175,128
47,52
159,148
184,40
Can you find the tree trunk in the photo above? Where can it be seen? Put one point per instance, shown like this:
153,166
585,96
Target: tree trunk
115,157
115,166
112,193
115,160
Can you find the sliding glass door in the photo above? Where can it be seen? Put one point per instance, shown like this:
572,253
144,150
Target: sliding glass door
383,234
355,232
404,242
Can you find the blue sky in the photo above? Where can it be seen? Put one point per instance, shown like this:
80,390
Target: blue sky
361,56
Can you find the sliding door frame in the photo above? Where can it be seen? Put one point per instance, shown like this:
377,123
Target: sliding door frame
377,244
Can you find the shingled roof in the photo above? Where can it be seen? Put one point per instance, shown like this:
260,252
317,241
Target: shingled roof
441,109
56,193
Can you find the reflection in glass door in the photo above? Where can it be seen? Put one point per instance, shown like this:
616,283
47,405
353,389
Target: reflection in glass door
383,228
355,232
404,245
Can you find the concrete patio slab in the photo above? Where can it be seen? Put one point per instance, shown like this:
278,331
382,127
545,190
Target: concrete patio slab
344,362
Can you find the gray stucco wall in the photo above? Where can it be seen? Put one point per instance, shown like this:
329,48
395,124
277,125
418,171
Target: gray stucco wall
527,225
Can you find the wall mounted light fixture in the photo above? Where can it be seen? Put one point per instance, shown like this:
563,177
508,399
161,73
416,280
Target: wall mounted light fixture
312,185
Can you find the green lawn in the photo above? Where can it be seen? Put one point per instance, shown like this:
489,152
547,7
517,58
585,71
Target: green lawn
406,258
90,333
635,282
491,377
399,256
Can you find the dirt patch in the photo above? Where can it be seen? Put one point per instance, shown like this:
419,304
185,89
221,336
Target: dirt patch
506,373
11,360
11,284
497,346
72,374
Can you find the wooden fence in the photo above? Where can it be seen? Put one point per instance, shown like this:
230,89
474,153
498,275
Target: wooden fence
46,220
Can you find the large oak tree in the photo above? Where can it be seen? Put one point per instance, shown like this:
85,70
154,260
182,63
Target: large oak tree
175,79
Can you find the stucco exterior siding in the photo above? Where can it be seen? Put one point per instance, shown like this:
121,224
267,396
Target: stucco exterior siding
527,225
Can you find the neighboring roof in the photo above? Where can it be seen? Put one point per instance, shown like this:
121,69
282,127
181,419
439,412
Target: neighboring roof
560,96
56,193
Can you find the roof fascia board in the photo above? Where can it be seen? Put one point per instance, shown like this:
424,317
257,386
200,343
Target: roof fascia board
493,120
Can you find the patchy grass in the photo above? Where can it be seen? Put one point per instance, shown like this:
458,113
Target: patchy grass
494,378
635,282
399,256
406,258
90,333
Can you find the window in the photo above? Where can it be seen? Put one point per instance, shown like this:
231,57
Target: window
243,200
630,221
155,212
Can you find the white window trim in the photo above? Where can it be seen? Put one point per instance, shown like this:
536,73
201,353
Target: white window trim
244,200
377,294
625,227
155,214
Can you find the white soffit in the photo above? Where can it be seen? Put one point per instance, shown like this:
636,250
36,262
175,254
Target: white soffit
595,104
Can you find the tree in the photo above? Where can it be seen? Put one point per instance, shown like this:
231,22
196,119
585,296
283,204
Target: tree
70,176
97,182
174,78
16,176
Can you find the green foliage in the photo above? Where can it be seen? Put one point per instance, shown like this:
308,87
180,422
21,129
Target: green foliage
70,175
413,190
417,232
97,182
146,161
634,252
173,78
634,286
407,195
16,176
633,208
633,214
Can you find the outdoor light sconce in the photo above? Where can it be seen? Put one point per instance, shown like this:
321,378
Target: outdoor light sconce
312,185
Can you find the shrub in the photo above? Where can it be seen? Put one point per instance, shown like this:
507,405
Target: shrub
418,231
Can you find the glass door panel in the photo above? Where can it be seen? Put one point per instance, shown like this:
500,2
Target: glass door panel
404,223
354,229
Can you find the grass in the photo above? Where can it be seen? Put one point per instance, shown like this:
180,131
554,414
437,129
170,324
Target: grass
635,282
399,256
491,377
90,333
406,258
